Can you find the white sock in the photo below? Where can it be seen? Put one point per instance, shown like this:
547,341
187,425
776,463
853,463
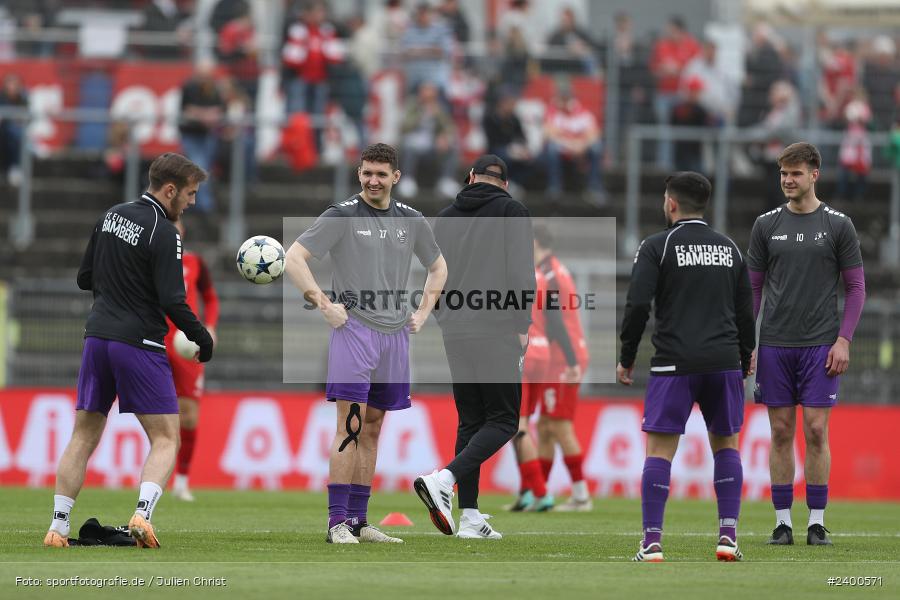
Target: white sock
471,514
149,496
62,506
783,515
446,478
181,482
580,491
816,517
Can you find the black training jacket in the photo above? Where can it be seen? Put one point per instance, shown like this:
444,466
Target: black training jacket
698,282
133,266
487,241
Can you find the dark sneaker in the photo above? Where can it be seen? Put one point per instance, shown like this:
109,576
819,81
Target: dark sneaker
523,502
817,535
782,536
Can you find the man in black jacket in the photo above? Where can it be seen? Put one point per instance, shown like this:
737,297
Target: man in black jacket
133,266
705,334
486,238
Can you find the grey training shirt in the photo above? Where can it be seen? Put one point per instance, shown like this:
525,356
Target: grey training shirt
802,256
372,251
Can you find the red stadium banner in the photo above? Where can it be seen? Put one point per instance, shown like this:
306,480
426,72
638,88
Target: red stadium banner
280,441
151,92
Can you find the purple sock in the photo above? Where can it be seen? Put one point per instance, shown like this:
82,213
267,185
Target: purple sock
654,493
728,479
816,496
783,495
338,497
358,505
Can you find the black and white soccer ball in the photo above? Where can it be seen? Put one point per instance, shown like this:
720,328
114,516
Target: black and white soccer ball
261,259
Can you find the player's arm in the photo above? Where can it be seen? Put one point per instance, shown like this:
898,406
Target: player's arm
297,268
429,254
434,284
85,276
557,332
757,283
850,263
744,312
168,277
210,298
757,263
520,264
641,291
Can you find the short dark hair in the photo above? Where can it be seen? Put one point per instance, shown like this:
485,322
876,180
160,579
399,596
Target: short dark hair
690,189
801,152
174,168
380,153
543,236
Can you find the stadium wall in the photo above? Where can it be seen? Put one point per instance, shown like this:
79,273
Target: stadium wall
281,441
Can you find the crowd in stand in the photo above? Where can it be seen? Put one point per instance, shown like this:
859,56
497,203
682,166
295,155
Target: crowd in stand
678,78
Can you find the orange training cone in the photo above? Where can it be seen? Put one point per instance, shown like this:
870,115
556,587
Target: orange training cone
396,519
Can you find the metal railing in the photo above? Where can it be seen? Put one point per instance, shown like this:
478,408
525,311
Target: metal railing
22,225
725,140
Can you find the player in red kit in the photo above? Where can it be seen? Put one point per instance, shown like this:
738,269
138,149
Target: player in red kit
188,373
533,494
568,361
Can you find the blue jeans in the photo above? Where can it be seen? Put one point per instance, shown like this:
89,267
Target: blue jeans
310,98
10,143
663,103
553,154
303,96
201,149
447,160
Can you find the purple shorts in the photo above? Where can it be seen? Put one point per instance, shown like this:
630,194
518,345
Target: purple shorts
369,366
670,399
790,376
142,379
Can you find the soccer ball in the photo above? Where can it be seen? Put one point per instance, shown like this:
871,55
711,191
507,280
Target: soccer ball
184,347
261,259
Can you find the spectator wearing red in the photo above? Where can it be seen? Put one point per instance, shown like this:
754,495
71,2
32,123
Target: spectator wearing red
839,77
572,133
311,45
855,154
238,50
670,55
690,112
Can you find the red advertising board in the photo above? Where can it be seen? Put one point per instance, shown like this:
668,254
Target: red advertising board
280,441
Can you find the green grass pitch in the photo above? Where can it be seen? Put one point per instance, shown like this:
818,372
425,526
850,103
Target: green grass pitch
271,545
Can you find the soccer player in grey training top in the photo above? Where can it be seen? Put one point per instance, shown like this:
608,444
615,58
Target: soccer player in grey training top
371,239
133,266
797,254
